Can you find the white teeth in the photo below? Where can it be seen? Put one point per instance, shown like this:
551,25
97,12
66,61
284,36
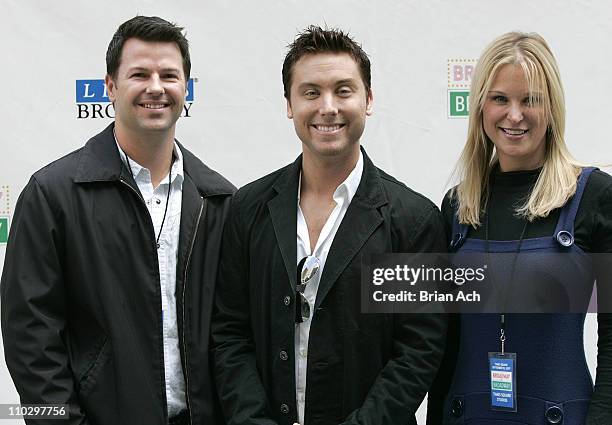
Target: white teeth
512,132
327,128
153,105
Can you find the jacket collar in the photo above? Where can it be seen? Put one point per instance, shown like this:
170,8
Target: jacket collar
360,220
369,191
100,161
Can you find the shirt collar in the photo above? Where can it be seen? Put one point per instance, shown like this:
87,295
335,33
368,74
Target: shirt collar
348,187
177,165
351,183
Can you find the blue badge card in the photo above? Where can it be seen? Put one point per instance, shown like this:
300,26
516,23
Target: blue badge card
502,372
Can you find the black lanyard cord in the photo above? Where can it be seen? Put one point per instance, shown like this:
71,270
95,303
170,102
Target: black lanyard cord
505,289
127,160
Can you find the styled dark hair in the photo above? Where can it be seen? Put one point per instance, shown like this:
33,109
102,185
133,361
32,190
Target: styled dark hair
146,28
315,39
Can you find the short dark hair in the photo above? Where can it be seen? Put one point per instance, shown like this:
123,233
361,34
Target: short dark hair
146,28
315,39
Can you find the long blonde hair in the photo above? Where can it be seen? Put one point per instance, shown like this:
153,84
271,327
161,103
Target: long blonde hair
557,180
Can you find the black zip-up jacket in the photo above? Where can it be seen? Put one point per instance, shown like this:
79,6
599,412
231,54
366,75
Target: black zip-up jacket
80,292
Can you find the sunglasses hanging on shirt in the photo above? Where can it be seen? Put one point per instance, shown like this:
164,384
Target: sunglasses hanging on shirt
307,269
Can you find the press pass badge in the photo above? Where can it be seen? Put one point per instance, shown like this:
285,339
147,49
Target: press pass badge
502,370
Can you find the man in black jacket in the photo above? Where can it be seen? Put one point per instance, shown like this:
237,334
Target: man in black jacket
290,342
109,275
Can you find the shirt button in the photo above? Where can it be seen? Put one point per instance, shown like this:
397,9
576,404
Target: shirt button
283,355
284,408
287,300
158,201
303,352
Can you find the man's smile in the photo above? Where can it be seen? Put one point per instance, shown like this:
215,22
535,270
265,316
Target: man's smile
154,105
328,128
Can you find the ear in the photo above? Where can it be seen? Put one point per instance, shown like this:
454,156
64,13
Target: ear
110,88
369,102
289,111
186,83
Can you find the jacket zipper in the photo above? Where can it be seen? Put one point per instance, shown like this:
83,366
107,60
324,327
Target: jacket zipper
195,232
145,205
135,191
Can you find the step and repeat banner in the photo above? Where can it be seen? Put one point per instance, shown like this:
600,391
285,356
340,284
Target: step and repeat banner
423,55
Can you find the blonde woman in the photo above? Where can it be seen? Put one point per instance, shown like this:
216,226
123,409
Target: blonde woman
520,190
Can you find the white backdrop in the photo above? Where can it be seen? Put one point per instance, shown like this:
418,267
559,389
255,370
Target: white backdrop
237,122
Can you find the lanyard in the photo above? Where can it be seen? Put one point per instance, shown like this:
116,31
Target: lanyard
502,319
127,160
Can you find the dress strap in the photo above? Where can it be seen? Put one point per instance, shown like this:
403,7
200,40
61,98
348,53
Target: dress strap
564,232
459,230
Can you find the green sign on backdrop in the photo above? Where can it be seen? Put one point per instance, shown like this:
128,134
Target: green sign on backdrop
4,229
458,105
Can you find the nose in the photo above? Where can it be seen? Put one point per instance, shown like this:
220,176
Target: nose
515,113
328,105
155,86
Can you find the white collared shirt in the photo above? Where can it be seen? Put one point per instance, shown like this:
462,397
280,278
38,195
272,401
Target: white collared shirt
167,256
343,195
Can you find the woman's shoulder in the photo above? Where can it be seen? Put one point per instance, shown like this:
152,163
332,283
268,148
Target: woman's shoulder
594,217
598,191
449,202
448,208
599,181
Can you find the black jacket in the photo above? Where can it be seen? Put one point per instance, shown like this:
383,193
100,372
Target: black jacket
362,368
81,306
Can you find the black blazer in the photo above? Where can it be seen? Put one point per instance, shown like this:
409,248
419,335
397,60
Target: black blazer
362,368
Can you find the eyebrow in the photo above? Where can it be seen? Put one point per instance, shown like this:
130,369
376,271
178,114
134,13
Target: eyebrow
535,93
142,68
346,81
337,83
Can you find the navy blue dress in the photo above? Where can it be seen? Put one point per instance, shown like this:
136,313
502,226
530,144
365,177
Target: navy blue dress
554,385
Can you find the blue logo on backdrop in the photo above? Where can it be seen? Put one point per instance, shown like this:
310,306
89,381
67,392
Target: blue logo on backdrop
91,91
92,99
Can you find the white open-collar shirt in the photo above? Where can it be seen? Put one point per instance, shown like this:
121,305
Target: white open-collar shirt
167,256
343,195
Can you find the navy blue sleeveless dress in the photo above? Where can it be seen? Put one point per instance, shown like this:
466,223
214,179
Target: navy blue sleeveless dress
554,385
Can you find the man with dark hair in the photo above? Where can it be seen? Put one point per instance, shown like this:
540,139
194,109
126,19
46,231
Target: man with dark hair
110,268
148,28
290,342
316,40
